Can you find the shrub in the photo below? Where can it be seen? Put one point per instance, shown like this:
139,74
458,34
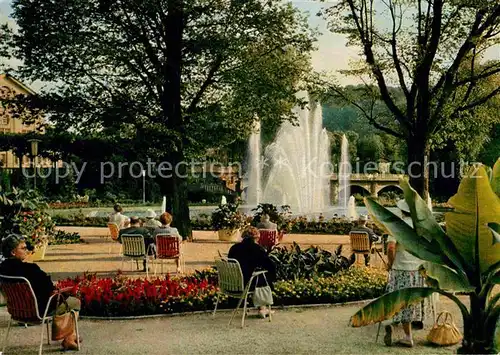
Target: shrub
353,284
62,237
227,216
281,218
294,263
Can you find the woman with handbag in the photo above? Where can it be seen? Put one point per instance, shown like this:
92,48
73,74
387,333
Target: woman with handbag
15,251
252,257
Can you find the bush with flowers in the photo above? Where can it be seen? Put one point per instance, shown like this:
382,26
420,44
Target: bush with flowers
227,216
120,296
37,226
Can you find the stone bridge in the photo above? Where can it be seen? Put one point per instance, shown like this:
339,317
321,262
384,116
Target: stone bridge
370,184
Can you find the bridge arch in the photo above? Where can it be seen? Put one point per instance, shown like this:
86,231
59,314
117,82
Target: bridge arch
389,188
358,189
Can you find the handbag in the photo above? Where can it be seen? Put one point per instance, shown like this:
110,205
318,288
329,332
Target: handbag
262,296
445,333
63,325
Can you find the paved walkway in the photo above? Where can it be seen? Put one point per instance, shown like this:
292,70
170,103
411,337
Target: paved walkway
63,261
293,331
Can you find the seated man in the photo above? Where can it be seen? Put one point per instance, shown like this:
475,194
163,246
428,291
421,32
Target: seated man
136,229
265,223
361,227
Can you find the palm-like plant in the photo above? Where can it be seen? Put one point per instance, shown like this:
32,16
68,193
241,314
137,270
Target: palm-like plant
465,258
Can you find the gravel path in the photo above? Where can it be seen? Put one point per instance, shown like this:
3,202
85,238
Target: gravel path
292,331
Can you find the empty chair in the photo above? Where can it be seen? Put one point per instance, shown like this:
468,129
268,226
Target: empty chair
168,247
22,306
268,238
231,283
360,245
134,248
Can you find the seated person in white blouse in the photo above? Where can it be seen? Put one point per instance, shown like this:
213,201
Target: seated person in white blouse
166,219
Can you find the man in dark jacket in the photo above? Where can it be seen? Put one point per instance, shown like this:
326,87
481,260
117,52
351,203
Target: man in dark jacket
136,229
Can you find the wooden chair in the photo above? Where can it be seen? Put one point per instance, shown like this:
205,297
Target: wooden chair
114,232
168,247
22,306
268,238
231,283
134,248
360,245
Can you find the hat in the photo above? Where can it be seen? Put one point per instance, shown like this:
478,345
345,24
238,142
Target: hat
363,218
150,214
403,206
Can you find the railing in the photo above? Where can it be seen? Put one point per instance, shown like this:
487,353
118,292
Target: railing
371,177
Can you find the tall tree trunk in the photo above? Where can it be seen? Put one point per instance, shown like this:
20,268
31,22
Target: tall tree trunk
178,202
418,160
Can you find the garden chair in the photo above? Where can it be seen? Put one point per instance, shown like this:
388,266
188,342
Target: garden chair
268,238
168,247
114,232
231,283
22,306
360,245
134,248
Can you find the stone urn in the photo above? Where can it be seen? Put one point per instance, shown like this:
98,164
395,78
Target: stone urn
39,251
229,235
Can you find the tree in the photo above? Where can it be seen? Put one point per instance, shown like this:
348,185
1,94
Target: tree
175,76
420,46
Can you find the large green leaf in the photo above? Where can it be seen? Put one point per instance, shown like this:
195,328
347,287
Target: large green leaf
388,305
426,226
406,235
495,177
475,204
447,279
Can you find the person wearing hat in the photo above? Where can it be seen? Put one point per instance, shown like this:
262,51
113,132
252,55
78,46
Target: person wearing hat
151,222
404,272
361,227
251,257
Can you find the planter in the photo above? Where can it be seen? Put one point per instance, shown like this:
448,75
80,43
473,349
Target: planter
229,235
39,252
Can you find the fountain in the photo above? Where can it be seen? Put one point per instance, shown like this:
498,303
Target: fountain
344,175
299,164
351,209
254,170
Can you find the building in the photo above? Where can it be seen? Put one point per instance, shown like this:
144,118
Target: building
10,86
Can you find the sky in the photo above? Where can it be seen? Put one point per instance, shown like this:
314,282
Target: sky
331,54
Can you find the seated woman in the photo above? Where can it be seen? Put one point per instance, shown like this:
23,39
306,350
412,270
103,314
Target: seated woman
252,257
165,220
15,251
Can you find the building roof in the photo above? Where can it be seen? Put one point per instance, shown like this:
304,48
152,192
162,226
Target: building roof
17,83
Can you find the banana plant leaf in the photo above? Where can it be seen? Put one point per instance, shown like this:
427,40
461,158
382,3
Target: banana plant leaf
425,225
406,235
446,278
495,230
388,305
475,204
495,177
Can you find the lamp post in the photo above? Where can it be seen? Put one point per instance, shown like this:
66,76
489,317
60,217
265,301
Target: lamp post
34,153
143,186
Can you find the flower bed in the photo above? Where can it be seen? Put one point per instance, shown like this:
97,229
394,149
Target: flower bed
119,296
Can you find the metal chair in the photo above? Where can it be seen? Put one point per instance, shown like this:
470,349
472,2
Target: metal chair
22,306
168,247
268,238
133,247
114,232
360,245
231,283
